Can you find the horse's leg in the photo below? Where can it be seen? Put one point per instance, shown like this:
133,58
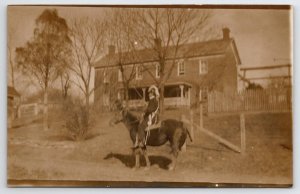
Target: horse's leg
175,147
147,159
174,157
137,158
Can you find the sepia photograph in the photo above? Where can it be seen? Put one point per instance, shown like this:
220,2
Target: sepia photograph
149,96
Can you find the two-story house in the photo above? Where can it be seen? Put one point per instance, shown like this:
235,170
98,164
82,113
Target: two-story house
198,68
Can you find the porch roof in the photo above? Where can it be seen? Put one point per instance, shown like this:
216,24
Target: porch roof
145,85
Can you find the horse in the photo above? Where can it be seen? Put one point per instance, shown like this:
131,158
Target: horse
171,130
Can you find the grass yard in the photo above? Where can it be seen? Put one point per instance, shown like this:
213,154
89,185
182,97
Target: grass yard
34,154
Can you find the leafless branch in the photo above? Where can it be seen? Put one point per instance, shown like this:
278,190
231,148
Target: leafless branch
88,37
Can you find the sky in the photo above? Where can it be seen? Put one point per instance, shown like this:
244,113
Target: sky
261,35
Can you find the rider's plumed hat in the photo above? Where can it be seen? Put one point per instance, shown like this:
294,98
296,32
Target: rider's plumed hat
154,89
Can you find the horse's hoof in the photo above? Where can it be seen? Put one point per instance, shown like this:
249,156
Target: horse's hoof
171,168
135,168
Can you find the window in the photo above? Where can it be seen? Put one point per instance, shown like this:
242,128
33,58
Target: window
135,94
203,66
172,91
157,72
181,67
203,93
121,94
105,77
120,76
139,72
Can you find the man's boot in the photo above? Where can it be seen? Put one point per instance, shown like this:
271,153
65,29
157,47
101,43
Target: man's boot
136,144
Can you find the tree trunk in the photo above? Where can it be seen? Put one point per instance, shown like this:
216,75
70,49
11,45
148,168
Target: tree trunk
65,94
87,100
161,99
45,110
87,109
126,95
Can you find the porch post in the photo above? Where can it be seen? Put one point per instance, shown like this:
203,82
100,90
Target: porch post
200,95
244,84
181,94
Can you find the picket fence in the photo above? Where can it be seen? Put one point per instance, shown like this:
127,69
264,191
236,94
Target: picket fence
250,100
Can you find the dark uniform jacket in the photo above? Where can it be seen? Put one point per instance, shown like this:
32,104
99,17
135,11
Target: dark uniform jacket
152,107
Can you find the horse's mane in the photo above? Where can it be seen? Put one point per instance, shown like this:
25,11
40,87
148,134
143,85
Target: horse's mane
131,118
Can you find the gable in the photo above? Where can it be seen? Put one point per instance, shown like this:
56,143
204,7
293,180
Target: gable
235,52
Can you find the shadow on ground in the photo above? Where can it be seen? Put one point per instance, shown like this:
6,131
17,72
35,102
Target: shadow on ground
129,160
65,137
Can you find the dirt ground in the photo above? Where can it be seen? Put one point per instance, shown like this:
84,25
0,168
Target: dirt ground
34,154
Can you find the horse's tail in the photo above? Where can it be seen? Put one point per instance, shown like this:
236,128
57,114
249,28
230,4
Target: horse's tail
189,134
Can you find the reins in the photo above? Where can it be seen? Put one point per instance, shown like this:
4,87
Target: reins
137,120
131,122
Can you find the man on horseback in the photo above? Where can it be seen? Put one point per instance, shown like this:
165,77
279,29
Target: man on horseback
150,117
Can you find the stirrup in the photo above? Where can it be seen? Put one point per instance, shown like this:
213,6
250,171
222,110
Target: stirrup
135,147
143,146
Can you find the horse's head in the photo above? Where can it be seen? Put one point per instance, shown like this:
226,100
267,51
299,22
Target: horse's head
120,113
119,105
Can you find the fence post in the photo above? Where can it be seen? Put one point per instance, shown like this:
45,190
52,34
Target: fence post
243,133
183,149
192,124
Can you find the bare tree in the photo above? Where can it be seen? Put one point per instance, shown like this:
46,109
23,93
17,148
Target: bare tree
65,84
46,54
88,37
16,79
279,83
165,30
121,35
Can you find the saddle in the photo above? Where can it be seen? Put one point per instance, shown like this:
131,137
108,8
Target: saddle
153,122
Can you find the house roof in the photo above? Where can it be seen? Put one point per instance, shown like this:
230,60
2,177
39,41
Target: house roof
198,49
11,91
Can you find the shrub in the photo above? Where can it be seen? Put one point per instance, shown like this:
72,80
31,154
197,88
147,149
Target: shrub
78,120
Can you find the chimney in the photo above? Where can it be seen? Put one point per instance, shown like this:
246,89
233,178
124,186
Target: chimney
226,33
157,43
111,49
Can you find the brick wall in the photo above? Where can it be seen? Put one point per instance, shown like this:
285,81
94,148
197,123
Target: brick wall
221,76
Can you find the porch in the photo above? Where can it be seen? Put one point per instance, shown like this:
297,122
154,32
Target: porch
175,95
